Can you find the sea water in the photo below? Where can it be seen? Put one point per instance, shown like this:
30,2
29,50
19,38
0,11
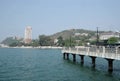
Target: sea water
18,64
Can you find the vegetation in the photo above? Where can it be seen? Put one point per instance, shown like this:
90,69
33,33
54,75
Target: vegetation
14,44
113,40
65,38
60,41
35,43
69,42
69,38
66,34
45,41
12,41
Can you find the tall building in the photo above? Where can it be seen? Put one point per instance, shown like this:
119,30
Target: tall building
28,35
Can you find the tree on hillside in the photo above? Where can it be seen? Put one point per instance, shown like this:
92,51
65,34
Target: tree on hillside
45,40
70,42
35,43
60,41
112,40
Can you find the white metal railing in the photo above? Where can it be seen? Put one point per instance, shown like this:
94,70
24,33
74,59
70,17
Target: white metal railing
111,53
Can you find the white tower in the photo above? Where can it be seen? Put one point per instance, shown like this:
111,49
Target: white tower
28,35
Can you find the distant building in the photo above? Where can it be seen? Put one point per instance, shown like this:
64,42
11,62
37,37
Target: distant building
4,46
93,38
28,35
55,41
81,34
17,38
107,35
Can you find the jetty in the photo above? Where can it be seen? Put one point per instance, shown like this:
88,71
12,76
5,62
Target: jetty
108,53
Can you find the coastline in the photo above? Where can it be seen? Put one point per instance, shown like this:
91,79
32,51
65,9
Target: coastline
41,47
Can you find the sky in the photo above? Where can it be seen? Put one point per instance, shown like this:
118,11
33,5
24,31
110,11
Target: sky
51,16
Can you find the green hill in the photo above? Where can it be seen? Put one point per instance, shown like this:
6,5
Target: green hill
10,40
66,34
77,35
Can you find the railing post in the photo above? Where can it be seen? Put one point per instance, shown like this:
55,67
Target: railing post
103,51
87,50
69,49
98,49
77,49
116,51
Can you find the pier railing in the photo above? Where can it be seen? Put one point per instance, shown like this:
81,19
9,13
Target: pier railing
104,52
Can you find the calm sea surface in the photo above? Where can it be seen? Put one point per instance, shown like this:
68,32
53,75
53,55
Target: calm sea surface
49,65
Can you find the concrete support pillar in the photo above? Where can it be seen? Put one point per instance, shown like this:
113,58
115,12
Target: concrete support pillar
64,55
82,59
74,57
93,61
110,65
67,56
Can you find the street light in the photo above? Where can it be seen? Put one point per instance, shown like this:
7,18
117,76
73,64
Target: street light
119,35
97,43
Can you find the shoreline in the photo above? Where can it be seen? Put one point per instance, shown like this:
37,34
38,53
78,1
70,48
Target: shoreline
41,47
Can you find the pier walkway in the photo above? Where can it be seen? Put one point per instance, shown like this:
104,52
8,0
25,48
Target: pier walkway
109,53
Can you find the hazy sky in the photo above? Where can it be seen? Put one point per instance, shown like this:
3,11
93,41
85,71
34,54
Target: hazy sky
51,16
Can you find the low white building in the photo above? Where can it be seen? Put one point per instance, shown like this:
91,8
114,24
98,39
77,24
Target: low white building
4,46
81,34
107,35
55,41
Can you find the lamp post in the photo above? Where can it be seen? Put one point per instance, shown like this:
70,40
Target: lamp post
97,43
70,41
119,36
